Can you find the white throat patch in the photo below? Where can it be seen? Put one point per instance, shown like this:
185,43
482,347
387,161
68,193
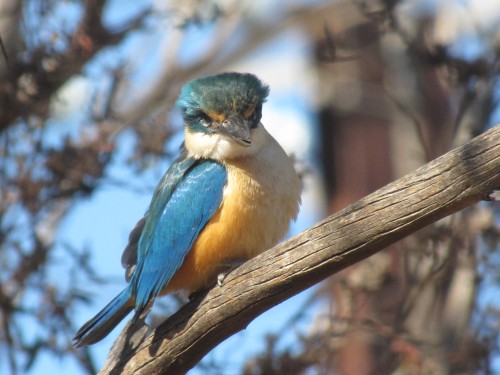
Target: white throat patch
220,147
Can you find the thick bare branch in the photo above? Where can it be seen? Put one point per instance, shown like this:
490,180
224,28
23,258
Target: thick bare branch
446,185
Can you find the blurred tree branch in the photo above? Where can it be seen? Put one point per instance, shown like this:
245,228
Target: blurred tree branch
29,83
446,185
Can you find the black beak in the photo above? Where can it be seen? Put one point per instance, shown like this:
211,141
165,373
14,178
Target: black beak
237,128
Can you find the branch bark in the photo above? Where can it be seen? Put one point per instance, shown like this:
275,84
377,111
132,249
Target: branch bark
446,185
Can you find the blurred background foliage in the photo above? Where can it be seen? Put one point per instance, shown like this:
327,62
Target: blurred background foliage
87,92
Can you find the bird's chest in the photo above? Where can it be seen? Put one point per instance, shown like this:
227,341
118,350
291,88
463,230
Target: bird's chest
259,200
249,220
254,215
251,210
241,228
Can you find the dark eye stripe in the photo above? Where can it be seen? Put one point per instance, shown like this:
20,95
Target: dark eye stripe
206,118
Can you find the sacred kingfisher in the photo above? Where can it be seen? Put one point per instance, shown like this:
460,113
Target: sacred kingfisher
230,195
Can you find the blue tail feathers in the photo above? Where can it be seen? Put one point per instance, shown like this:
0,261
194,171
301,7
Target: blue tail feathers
105,320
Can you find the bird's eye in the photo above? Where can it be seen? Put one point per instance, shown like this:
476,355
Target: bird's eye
256,116
206,120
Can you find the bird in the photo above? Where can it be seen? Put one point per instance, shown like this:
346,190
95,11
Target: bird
230,195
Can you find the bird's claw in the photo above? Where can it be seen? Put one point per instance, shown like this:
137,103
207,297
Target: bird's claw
229,267
220,278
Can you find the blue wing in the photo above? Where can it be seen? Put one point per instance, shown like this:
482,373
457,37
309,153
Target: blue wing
185,199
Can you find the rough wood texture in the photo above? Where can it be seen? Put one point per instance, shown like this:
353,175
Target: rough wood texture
446,185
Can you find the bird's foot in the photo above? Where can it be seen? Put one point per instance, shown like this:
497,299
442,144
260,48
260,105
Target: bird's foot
220,278
228,268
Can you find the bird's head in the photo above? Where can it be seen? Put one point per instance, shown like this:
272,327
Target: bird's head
222,115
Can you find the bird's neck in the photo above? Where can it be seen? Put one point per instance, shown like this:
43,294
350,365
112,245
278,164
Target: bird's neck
220,148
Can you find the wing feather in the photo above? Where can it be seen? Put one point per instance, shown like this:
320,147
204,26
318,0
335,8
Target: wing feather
186,198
